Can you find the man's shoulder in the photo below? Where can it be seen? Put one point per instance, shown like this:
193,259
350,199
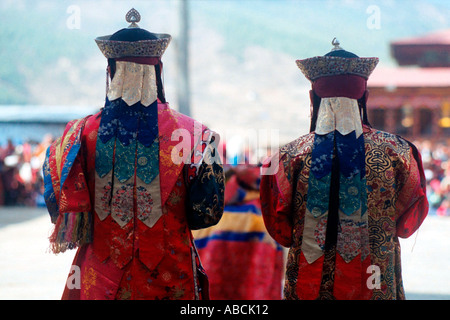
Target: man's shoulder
87,118
382,139
298,147
80,126
171,119
182,119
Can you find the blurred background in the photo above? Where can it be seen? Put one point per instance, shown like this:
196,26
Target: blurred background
231,65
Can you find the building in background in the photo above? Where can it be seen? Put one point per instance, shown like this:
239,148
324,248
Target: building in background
413,99
21,123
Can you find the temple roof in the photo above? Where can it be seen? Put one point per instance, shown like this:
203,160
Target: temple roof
429,50
436,37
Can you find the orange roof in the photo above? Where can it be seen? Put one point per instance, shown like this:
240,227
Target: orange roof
409,77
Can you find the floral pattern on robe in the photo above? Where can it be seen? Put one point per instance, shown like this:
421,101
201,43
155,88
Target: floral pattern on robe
396,207
131,253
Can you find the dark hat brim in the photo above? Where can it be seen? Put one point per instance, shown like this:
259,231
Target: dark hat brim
143,48
323,66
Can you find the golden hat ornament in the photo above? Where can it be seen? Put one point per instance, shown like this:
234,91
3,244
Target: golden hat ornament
113,48
337,62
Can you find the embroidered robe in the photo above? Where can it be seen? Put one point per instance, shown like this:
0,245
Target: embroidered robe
382,197
127,186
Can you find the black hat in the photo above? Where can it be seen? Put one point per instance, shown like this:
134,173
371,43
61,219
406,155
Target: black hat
336,62
133,41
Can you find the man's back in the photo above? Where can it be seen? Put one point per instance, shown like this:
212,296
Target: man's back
127,185
394,208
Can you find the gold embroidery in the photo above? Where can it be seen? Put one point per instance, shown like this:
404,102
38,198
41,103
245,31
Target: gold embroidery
89,280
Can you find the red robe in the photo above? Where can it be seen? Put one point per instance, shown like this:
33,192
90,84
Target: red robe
242,261
396,207
132,258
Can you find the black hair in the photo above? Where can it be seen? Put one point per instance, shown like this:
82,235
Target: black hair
159,84
315,104
112,67
362,104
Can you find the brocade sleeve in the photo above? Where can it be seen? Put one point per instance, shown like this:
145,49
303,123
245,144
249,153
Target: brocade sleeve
412,203
276,195
66,193
49,191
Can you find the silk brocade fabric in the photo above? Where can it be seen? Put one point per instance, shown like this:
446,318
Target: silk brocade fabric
382,196
114,191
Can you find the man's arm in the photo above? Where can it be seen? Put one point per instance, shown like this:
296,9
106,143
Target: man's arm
276,195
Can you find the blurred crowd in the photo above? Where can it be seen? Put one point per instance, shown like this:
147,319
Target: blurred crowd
436,164
21,181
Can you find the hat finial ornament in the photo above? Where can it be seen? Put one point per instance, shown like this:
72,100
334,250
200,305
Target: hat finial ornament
133,17
335,42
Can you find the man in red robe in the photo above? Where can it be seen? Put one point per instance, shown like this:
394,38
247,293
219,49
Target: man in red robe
242,260
345,192
127,185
